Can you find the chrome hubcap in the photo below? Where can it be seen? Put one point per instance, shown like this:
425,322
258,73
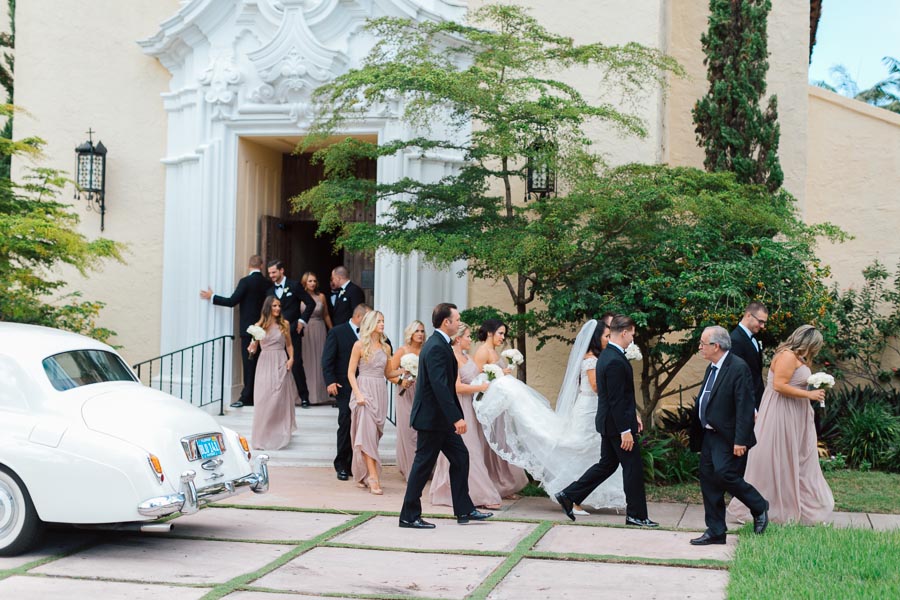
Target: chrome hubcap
9,510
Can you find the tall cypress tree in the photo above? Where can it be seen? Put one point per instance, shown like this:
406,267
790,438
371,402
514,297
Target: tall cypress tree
730,125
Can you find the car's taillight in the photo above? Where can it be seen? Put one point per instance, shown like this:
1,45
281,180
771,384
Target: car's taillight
245,445
156,466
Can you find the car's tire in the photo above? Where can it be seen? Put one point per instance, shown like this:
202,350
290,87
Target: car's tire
20,526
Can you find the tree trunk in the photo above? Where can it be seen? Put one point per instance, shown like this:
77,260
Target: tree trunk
521,372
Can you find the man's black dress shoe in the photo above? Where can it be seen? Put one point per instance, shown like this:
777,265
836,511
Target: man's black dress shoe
566,504
343,475
640,522
761,521
304,404
706,539
417,524
237,404
475,515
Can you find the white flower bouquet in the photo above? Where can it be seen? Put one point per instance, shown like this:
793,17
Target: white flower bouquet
492,372
514,357
409,362
818,380
256,332
632,352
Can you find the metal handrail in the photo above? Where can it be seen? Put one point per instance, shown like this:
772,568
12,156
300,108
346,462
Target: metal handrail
186,383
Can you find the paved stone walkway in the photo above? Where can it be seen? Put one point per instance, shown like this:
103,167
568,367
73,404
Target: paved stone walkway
313,536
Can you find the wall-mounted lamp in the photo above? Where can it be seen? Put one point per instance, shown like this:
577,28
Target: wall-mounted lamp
541,175
90,175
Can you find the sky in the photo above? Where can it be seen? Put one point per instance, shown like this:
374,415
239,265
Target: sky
856,34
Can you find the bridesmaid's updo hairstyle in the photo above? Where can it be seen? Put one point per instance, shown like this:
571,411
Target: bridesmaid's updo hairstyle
595,346
489,328
463,328
306,277
805,342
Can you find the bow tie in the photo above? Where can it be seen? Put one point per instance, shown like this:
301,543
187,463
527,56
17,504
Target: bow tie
357,329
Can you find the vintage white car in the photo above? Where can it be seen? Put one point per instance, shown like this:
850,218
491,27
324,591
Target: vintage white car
83,442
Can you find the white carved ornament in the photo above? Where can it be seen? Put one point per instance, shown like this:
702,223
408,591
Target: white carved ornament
221,73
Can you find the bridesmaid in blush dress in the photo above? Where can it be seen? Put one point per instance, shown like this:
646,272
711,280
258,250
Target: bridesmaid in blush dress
274,391
508,478
784,463
314,340
481,486
368,399
413,338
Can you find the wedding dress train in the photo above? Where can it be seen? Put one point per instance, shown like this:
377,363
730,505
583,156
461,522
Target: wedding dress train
556,447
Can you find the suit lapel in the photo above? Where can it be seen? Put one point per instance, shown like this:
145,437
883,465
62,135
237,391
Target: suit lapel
719,376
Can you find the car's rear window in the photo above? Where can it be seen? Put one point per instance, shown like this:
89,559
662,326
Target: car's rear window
69,370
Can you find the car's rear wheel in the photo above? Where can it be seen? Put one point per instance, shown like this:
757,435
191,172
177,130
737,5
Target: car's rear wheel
20,527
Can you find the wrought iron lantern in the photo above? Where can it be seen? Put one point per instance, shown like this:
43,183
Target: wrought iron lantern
90,175
541,175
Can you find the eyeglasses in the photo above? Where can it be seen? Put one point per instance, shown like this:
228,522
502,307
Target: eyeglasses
760,321
702,343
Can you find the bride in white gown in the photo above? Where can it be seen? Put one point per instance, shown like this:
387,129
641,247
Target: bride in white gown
555,447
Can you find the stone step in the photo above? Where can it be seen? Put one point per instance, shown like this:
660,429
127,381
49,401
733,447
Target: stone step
313,444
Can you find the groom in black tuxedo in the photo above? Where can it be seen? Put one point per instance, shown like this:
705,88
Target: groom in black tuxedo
335,362
438,418
291,294
746,345
723,423
617,422
248,296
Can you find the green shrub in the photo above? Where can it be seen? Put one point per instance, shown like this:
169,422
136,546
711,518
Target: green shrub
840,404
868,434
667,459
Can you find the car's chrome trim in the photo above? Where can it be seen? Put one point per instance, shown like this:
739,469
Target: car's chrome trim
189,499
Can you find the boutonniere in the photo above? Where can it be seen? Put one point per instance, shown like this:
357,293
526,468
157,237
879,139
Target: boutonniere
287,291
341,293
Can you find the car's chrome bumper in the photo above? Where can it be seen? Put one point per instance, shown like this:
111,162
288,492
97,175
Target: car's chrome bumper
189,499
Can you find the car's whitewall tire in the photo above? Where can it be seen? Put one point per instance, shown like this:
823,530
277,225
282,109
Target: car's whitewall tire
20,527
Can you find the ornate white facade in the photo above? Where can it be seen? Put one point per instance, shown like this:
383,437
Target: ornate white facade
248,68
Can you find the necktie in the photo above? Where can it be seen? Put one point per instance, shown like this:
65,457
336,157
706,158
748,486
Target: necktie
755,342
707,392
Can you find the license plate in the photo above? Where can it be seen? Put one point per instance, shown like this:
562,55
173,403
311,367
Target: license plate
208,447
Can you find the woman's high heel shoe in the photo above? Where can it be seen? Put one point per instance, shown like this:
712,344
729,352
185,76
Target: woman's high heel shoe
375,487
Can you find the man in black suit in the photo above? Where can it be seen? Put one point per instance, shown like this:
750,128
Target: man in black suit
745,344
335,361
438,418
291,294
723,419
249,295
617,421
345,296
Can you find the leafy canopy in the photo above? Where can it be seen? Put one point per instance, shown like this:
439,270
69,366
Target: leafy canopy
38,234
479,95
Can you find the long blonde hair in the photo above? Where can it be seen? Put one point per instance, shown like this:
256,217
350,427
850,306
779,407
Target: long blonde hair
366,329
805,342
266,318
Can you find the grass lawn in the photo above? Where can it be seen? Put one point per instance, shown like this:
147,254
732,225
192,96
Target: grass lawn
816,562
854,491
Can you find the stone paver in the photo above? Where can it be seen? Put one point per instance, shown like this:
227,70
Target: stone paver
845,519
884,522
240,524
166,560
54,542
351,571
42,588
629,542
271,596
694,519
448,535
563,580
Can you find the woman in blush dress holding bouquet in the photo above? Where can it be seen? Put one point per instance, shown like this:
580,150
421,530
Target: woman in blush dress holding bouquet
481,486
413,338
274,390
368,400
784,464
508,478
314,340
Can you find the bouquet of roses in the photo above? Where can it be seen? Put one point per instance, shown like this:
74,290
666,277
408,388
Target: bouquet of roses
257,333
818,380
409,362
492,372
632,352
514,357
